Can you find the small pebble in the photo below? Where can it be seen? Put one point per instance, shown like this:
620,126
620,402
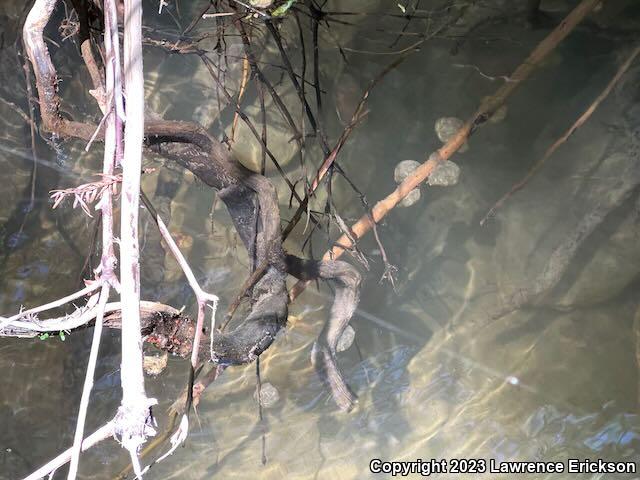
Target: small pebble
400,173
445,175
447,127
155,364
269,395
348,336
411,199
404,169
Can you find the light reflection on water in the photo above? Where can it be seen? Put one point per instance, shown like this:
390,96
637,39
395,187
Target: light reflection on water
546,383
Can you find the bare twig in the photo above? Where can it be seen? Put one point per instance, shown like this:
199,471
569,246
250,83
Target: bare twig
48,306
31,327
243,89
88,384
98,91
45,74
32,131
202,298
219,14
104,432
504,78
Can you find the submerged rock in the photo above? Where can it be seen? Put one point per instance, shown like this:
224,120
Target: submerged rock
401,172
445,175
411,199
347,337
269,395
248,149
155,364
447,127
404,169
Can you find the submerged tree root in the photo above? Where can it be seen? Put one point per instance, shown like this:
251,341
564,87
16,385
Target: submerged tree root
249,197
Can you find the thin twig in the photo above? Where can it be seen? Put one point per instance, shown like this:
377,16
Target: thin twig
333,155
260,416
48,306
104,432
88,384
202,298
243,89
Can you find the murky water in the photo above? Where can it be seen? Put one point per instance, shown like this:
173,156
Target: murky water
436,377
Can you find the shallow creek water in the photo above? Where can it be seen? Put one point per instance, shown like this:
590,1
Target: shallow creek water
435,378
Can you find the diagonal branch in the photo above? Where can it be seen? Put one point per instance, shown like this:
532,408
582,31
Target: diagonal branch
484,112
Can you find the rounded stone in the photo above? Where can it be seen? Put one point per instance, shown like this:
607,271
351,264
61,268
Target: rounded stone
404,169
411,199
155,364
447,127
269,395
445,175
347,337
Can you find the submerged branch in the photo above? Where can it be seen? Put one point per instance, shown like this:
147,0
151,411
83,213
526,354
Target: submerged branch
484,112
104,432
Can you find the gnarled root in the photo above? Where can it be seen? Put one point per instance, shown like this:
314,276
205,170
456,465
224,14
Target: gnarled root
346,280
252,203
